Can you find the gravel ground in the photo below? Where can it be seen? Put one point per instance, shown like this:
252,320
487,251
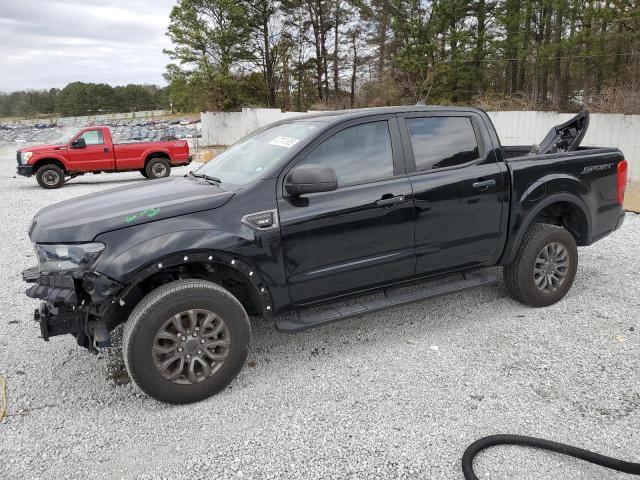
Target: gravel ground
398,394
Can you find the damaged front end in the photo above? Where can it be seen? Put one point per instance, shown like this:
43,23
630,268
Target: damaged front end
74,299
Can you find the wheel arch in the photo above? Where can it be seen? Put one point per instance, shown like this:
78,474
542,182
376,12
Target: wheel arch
148,155
562,209
41,162
235,274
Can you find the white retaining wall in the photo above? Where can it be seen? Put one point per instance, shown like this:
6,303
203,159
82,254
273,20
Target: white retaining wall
226,128
514,128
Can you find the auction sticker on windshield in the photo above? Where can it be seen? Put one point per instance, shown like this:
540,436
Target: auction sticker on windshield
286,142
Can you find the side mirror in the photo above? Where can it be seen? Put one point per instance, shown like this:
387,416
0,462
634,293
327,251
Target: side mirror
78,143
310,179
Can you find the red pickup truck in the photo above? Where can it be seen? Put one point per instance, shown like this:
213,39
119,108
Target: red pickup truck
91,149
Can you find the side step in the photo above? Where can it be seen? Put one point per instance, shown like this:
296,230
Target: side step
313,317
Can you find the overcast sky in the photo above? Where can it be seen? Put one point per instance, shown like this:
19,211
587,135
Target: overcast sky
49,43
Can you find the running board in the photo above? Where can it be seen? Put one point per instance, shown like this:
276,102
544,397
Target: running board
313,317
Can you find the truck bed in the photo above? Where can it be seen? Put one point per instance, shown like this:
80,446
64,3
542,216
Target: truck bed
147,143
514,153
131,155
589,174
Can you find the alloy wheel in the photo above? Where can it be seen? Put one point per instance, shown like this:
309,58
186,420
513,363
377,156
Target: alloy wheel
551,267
191,346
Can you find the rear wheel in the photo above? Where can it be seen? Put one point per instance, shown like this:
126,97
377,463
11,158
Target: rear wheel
144,173
157,168
50,176
544,267
186,341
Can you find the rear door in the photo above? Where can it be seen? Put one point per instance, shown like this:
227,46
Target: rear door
361,234
459,190
95,156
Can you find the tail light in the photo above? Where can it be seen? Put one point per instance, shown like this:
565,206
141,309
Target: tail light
622,180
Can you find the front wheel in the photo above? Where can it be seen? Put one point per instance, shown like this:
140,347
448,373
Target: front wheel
157,168
544,267
186,341
50,176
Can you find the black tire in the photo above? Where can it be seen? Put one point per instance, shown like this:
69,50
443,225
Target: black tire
144,173
50,176
522,275
155,311
158,168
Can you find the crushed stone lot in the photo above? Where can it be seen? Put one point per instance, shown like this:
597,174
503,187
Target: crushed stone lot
396,394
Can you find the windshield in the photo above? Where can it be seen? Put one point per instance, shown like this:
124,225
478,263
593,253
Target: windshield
247,159
67,136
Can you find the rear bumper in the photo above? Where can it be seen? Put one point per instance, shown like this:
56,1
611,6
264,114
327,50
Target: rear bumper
188,160
25,170
619,223
620,220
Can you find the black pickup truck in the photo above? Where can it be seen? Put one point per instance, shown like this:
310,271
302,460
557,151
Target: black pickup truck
312,220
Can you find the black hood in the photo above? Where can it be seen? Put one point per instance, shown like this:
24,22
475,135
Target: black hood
82,219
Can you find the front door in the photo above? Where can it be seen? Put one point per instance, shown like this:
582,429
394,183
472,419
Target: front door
459,191
360,235
95,156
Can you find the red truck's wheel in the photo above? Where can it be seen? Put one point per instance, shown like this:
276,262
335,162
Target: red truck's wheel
158,168
50,176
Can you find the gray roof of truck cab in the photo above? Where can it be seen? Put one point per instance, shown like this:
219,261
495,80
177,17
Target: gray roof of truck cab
338,116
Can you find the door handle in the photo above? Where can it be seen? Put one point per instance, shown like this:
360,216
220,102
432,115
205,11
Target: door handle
386,201
484,184
106,150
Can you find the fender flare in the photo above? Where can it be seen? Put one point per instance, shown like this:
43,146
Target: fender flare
512,246
241,266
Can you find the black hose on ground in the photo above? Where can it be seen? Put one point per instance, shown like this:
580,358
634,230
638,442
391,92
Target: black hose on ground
493,440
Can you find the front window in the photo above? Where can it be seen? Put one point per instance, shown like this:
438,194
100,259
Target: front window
92,137
357,154
250,157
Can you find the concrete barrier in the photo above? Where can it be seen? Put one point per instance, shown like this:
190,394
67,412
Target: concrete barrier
226,128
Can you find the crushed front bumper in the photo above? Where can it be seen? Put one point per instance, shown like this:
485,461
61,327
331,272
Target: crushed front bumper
51,288
70,305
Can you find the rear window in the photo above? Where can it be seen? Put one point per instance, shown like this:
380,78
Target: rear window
440,142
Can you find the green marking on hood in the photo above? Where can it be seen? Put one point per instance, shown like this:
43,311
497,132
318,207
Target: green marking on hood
146,213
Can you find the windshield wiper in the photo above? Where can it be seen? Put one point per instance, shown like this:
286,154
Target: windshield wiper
206,177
